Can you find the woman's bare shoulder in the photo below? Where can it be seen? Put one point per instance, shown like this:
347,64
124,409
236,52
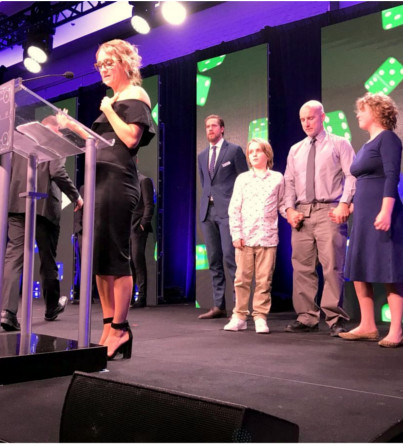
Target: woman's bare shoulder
136,92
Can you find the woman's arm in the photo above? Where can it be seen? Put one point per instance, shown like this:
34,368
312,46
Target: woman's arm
129,134
391,155
384,217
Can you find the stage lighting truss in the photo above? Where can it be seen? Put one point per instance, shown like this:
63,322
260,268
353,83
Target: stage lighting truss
14,29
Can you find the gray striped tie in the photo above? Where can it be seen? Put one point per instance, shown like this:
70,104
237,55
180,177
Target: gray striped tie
310,173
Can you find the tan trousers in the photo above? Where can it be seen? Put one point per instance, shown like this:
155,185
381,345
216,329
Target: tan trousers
318,240
258,261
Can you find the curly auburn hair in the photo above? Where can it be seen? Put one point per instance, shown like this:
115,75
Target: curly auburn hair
383,108
127,54
266,148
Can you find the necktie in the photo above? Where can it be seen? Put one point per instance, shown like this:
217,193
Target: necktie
310,173
212,161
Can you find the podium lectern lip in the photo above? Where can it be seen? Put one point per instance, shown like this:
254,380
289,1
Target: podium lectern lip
26,120
21,111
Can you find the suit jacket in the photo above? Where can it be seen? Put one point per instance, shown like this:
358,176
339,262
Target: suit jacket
144,211
230,163
52,178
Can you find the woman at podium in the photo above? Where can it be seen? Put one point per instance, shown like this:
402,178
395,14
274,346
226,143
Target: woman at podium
126,117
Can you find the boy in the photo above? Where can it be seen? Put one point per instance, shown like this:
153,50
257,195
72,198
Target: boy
253,217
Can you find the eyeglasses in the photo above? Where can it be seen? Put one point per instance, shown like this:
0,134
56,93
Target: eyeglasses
107,64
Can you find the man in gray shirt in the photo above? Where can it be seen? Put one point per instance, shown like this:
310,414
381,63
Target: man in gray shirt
318,191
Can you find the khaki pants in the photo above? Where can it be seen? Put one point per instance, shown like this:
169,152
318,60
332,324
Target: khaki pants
259,261
318,240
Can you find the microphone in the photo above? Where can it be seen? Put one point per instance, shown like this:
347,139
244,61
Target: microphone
67,75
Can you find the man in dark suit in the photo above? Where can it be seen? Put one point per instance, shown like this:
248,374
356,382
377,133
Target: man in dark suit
141,227
52,179
219,165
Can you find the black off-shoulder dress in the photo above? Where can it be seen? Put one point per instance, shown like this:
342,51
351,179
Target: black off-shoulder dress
117,189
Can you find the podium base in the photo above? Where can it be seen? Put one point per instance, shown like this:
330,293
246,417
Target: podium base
48,357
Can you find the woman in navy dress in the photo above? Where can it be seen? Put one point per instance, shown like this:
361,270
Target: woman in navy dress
126,117
375,252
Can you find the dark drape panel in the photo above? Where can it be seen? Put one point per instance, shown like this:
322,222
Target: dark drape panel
178,170
295,78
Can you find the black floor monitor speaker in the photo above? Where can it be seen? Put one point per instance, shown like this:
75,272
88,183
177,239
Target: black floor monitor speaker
101,410
394,434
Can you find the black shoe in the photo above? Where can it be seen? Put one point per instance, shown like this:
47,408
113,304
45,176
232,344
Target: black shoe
296,326
9,321
124,348
338,328
214,312
51,316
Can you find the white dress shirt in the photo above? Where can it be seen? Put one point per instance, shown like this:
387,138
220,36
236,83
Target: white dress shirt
254,206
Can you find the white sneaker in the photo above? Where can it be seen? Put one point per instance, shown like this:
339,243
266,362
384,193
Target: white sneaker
235,324
261,326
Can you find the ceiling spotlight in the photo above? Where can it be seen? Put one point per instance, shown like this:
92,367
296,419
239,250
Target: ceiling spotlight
32,65
140,24
37,47
142,14
37,53
173,12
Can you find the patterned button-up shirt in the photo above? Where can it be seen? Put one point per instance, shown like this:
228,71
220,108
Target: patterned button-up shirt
253,210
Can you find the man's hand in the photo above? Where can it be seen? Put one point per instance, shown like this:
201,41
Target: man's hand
62,119
339,214
294,218
78,204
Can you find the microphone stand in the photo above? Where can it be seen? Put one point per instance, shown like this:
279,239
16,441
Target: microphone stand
67,75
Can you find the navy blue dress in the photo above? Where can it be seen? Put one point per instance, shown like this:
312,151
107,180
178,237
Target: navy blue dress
376,256
117,189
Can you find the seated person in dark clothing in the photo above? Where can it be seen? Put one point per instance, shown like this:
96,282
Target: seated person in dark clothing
141,227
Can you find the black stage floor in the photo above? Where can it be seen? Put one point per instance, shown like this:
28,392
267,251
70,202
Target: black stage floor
336,391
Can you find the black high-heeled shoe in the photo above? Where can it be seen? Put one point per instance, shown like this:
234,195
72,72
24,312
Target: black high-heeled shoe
105,321
125,348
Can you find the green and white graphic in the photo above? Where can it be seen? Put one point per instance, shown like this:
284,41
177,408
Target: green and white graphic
336,123
386,78
259,128
201,257
392,18
209,64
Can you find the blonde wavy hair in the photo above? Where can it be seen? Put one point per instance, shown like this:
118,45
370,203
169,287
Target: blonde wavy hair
383,108
127,54
266,148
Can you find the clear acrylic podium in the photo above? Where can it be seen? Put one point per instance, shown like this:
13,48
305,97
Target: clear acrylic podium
24,130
